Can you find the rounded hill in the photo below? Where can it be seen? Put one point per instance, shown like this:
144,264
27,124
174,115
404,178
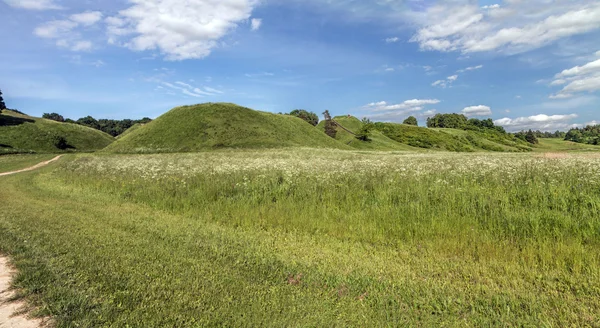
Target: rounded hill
221,125
21,133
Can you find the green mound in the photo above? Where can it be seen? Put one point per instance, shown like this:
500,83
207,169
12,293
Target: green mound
221,125
25,134
131,129
378,140
451,139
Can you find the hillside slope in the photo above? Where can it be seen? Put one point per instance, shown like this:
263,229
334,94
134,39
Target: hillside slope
221,125
21,133
378,140
451,139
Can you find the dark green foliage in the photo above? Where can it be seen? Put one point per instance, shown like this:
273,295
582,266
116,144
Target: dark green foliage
448,121
330,129
2,104
53,116
540,134
364,132
588,135
60,142
309,117
411,120
531,138
112,127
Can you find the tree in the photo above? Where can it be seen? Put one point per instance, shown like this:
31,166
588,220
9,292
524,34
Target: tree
365,130
448,121
411,120
54,116
330,129
531,138
309,117
2,104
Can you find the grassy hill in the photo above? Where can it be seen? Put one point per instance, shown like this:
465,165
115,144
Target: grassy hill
131,129
21,133
221,125
378,140
560,145
451,139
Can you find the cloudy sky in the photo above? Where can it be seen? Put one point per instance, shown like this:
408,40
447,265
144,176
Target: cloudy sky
525,63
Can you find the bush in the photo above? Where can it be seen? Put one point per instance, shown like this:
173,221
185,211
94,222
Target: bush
309,117
411,120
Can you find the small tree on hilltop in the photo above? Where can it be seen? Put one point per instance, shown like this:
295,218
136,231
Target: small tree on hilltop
411,120
365,130
2,104
330,129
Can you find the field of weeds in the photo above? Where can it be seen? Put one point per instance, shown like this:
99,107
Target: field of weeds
309,238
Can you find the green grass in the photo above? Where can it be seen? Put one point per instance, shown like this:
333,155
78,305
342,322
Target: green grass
451,139
25,134
131,129
308,238
378,140
21,161
560,145
214,126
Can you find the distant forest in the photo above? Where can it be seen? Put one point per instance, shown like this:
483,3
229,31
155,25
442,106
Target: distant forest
588,135
112,127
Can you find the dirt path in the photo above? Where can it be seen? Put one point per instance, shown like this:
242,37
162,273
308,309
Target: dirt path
36,166
8,309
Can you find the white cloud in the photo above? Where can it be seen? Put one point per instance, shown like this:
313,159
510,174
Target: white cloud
33,4
578,79
178,29
537,122
445,83
65,33
397,112
472,68
87,18
190,90
594,122
392,40
518,26
480,110
256,24
495,6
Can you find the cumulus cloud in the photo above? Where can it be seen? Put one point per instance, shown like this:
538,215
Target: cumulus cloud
65,31
392,40
178,29
480,110
256,24
517,26
579,79
33,4
540,122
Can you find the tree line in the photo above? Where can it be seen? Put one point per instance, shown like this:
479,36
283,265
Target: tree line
112,127
588,135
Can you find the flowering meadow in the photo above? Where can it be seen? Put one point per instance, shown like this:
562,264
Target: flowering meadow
310,237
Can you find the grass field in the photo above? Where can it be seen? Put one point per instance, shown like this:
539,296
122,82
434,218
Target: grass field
308,238
21,161
559,145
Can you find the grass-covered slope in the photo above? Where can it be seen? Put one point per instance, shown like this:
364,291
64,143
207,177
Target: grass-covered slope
221,125
451,139
560,145
131,129
21,133
378,140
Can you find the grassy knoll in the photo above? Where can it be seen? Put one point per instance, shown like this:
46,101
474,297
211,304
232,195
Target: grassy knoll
214,126
560,145
21,134
378,140
308,238
21,161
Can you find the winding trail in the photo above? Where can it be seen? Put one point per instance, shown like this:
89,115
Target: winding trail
36,166
8,309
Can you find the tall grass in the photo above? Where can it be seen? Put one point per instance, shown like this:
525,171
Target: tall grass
310,238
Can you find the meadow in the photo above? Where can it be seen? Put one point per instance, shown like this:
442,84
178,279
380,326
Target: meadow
308,237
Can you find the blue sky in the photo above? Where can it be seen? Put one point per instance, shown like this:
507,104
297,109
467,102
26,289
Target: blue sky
525,63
